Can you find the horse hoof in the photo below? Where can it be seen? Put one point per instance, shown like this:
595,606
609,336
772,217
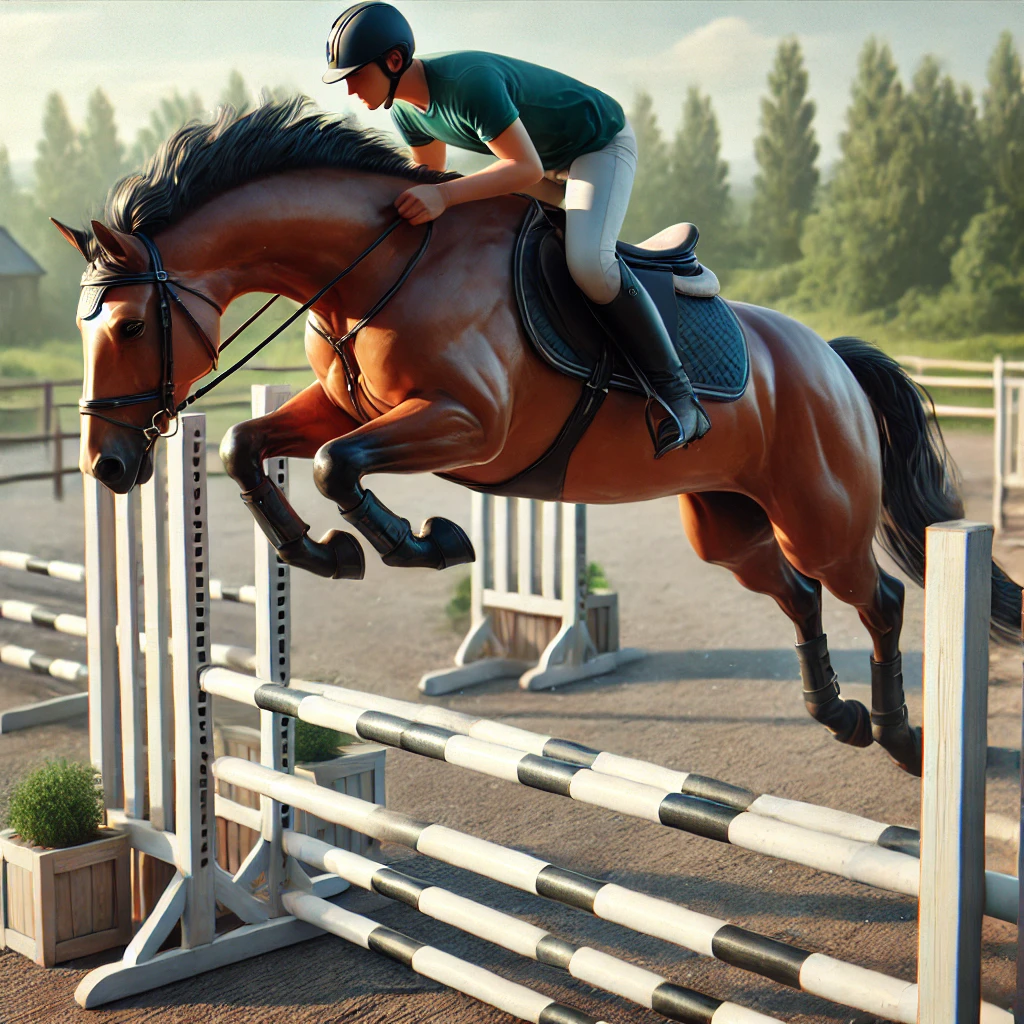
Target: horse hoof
349,562
903,744
337,556
451,541
855,730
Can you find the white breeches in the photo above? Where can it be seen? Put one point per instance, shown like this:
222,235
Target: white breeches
596,198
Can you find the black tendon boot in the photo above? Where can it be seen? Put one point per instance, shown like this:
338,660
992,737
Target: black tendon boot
890,723
847,720
634,321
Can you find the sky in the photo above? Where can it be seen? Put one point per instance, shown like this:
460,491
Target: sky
139,52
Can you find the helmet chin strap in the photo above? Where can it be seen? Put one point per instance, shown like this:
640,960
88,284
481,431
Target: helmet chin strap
394,77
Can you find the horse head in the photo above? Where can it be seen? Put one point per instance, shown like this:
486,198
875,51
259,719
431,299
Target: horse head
145,341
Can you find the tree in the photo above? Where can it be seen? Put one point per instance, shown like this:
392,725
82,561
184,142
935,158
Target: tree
61,191
699,188
1002,124
10,194
102,150
856,245
786,152
235,94
945,173
58,165
647,209
172,112
18,211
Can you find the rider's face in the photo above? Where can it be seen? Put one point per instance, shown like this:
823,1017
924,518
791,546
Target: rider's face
370,85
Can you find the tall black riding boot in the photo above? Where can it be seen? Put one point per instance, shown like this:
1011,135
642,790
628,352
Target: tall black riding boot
634,321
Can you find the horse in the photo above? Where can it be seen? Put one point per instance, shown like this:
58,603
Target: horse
828,447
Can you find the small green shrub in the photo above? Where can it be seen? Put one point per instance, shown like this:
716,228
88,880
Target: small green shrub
596,578
58,805
315,743
457,609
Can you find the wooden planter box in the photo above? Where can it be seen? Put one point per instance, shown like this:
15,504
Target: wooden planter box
61,904
359,772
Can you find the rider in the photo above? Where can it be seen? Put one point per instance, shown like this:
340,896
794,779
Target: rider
540,124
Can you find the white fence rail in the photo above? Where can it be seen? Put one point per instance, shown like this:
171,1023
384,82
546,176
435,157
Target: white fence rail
1004,378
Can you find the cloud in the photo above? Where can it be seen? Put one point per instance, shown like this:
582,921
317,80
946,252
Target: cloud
725,55
40,31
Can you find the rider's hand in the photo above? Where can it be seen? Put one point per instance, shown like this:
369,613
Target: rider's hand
421,203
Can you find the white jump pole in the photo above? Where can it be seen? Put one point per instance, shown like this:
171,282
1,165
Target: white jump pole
1001,890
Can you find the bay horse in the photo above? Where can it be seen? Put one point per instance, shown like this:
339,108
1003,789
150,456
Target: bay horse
828,446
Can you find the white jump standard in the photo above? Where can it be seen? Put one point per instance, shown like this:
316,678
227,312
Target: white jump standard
531,613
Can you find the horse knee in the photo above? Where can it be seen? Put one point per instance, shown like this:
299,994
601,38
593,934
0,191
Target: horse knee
336,474
241,455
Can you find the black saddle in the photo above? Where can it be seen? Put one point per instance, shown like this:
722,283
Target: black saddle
564,330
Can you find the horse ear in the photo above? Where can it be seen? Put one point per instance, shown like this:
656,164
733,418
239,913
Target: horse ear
76,238
122,248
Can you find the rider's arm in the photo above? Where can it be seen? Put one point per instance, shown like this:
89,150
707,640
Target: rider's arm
518,166
434,155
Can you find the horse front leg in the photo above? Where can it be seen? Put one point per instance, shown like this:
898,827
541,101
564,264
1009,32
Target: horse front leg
421,435
297,429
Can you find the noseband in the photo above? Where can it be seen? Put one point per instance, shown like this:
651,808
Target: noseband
97,279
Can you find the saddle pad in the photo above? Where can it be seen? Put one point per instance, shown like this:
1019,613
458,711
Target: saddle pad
565,331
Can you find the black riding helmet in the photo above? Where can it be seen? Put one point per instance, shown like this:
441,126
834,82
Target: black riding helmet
365,34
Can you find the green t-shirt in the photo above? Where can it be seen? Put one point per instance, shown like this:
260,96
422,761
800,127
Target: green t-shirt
475,96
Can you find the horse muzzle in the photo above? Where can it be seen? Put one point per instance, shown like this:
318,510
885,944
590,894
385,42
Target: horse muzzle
121,465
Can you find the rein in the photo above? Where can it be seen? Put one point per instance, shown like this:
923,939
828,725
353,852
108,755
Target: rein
95,283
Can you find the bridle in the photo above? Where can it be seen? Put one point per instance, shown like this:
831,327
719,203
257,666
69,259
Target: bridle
95,282
98,278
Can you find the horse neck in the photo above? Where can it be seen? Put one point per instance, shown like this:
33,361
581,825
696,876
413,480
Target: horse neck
289,235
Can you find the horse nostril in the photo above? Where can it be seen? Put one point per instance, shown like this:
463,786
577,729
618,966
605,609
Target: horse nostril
108,470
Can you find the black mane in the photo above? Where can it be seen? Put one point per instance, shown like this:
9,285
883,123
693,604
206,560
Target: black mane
201,161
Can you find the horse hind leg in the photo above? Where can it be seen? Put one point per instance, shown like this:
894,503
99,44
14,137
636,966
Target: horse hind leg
878,597
734,531
890,721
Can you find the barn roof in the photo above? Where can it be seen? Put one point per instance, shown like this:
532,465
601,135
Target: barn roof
15,261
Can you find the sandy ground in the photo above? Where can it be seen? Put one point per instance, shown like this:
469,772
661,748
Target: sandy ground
718,693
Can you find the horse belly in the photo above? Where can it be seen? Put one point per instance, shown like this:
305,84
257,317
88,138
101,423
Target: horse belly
614,462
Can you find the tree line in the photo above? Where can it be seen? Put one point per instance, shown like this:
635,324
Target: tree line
921,217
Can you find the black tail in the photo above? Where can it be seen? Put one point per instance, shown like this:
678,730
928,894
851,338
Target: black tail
920,484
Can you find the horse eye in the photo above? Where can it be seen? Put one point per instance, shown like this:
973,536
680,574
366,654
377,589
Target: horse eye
133,328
